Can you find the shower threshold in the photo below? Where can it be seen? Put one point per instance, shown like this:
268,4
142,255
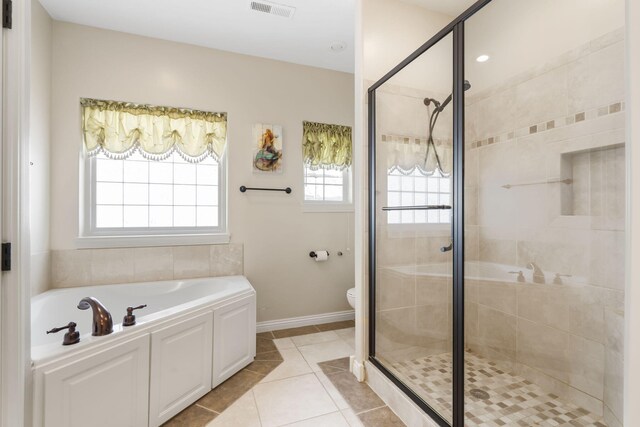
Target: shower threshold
494,396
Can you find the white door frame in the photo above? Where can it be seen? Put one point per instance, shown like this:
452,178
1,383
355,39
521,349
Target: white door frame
15,359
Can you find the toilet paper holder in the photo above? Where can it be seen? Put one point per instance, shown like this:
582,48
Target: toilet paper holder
313,254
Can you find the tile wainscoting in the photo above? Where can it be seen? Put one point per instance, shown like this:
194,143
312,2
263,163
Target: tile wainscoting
86,267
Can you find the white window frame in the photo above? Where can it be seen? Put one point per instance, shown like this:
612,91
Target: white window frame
345,205
92,237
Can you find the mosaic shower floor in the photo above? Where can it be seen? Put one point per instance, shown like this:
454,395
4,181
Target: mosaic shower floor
511,401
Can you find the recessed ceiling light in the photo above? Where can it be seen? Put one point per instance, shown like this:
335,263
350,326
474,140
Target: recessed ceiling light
338,47
482,58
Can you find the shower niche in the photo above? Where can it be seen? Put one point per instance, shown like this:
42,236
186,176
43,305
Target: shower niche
595,180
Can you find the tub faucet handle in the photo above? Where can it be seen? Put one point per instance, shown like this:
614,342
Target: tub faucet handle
70,337
520,275
130,318
557,280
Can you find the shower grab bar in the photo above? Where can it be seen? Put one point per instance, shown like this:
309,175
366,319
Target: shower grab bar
416,208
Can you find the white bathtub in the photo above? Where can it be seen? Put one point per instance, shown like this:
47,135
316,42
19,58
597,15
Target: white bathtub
193,335
480,270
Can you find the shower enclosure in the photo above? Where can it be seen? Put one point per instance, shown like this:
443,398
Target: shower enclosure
496,217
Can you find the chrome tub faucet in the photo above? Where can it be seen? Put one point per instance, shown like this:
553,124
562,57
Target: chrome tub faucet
538,274
102,321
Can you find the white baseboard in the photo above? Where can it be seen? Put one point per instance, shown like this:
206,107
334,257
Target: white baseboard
296,322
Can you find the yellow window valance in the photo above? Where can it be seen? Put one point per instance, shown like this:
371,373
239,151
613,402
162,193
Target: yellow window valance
326,146
119,129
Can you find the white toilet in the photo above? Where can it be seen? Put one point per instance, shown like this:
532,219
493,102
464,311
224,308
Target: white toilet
351,297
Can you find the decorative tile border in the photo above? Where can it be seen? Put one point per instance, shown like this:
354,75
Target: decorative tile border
572,119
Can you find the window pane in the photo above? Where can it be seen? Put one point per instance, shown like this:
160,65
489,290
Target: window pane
407,217
394,217
207,216
108,193
393,183
136,194
161,172
333,193
394,199
309,192
407,199
207,195
421,184
184,173
333,181
432,184
445,184
160,216
184,195
407,183
108,216
160,194
136,216
207,175
135,171
108,170
184,216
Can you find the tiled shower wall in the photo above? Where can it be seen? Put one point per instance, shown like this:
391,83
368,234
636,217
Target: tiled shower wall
71,268
561,121
414,312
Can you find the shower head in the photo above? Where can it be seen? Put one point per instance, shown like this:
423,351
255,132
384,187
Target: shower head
428,101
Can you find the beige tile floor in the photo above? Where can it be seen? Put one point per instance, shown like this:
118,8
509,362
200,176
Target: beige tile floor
287,386
296,392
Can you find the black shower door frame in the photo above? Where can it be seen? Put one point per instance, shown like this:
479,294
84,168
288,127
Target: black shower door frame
456,27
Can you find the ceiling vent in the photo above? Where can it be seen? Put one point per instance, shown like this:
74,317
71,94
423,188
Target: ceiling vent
273,8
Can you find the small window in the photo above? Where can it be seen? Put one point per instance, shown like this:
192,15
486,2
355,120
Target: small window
139,196
414,189
327,185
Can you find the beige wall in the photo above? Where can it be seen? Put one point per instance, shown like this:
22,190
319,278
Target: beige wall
276,235
39,146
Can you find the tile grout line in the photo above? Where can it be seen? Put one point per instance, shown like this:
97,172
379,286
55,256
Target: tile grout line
255,402
204,407
330,396
369,410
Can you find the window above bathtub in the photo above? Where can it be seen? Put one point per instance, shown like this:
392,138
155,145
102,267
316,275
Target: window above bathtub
327,151
152,176
418,188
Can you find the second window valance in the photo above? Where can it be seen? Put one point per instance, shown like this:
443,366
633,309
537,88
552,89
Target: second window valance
118,129
326,146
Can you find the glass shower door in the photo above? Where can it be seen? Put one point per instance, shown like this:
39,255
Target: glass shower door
412,269
544,213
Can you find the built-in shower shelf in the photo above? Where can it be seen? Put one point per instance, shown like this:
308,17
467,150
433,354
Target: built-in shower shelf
592,173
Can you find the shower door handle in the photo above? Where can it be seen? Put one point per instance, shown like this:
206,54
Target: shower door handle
416,208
